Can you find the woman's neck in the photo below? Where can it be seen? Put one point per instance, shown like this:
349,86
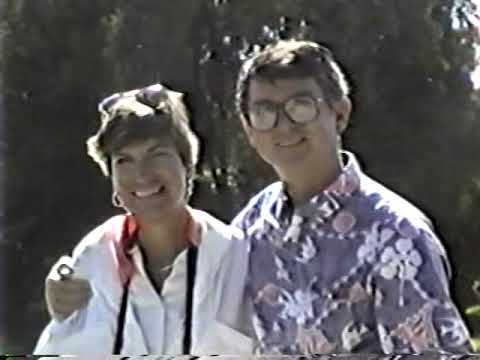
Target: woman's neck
163,239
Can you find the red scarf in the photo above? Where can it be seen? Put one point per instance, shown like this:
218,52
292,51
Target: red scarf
124,232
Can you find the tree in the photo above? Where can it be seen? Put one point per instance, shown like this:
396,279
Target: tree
52,71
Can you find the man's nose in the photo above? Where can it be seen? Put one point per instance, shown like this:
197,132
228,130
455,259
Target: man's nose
284,122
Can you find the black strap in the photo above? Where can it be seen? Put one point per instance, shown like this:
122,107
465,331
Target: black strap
191,271
117,346
187,335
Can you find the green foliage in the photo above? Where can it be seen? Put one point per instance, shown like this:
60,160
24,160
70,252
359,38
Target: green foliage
475,344
473,310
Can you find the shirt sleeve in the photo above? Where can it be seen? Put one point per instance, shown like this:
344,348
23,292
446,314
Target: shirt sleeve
84,326
413,308
87,331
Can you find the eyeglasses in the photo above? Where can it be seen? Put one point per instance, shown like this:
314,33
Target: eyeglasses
300,109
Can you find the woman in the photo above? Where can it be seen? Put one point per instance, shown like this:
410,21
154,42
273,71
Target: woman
165,278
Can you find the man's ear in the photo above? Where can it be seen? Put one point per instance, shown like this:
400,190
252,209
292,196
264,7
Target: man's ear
342,108
249,132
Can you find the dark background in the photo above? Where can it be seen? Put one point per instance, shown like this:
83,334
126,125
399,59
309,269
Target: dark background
415,122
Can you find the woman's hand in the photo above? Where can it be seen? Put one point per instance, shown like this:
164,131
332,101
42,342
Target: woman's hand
64,293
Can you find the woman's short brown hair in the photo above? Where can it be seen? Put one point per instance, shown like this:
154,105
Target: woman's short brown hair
143,114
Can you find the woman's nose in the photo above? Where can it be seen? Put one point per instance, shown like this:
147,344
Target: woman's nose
143,169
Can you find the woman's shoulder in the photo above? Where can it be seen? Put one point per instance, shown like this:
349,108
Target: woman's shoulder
98,238
219,241
222,251
214,227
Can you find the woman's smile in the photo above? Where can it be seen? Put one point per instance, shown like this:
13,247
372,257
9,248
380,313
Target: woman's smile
149,192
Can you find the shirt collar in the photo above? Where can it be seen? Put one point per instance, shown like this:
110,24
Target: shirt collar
345,184
349,179
125,231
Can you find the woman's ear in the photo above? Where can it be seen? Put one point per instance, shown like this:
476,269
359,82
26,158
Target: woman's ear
116,201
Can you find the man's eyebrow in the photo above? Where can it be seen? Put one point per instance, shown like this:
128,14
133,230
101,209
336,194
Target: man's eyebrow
295,94
302,93
263,101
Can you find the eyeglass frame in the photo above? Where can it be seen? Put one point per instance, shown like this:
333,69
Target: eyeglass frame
315,101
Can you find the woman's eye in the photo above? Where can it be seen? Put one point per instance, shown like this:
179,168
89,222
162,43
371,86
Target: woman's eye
160,154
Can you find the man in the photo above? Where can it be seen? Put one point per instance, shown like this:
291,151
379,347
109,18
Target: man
338,263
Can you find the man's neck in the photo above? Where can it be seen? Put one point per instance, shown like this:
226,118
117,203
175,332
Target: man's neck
303,184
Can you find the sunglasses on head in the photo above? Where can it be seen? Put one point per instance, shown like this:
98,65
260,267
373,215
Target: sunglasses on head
153,96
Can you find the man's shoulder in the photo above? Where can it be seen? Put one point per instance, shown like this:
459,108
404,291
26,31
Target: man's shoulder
255,204
407,220
386,200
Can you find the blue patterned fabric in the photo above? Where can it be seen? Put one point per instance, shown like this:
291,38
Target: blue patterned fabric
355,269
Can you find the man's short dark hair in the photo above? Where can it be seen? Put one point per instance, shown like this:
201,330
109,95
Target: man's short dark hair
292,59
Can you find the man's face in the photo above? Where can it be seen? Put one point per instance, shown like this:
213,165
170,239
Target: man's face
295,147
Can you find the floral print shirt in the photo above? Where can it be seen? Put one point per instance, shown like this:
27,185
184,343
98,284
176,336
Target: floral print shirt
355,269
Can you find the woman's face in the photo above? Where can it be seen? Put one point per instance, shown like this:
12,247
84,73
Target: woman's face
149,177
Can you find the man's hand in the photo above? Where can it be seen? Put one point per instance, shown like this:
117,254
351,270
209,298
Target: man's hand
64,293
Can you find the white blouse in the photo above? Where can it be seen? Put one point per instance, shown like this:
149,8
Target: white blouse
153,323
